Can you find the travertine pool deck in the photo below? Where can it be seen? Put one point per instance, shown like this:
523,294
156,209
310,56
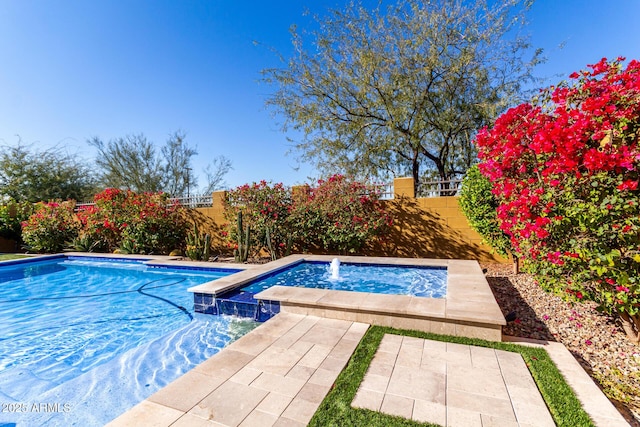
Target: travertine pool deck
469,308
279,373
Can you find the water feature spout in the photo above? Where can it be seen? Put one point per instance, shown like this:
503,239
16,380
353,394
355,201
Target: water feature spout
335,268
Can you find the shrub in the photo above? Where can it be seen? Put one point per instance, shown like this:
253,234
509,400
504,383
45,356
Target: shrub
153,224
339,215
140,223
12,215
479,205
51,226
565,172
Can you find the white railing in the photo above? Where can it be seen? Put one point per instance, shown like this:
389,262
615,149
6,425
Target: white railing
428,188
83,206
384,190
195,201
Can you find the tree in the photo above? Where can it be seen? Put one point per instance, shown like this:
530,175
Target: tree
215,172
177,172
129,163
380,94
133,163
31,175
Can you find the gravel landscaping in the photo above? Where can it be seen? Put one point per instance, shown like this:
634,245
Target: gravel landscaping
594,339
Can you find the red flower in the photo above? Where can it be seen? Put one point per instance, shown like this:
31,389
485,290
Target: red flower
628,185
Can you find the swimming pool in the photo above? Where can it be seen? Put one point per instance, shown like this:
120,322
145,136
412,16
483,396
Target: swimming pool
70,326
430,282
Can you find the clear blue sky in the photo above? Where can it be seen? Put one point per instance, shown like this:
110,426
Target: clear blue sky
76,69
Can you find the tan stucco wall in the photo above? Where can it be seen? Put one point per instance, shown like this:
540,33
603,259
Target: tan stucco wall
432,227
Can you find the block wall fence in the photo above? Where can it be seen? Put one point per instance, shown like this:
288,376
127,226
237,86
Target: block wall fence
432,227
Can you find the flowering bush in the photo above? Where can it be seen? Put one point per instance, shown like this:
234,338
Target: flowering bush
339,215
134,222
50,227
565,172
265,208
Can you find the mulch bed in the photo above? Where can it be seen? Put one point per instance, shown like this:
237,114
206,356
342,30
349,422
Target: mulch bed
594,339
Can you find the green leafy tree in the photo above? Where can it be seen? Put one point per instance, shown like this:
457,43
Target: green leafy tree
177,173
480,206
33,175
386,92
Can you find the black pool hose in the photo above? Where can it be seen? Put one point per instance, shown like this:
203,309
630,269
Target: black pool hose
139,290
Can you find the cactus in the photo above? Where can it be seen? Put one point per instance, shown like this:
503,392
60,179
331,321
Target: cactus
272,251
241,254
198,246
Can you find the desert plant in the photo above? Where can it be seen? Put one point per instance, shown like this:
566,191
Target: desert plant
243,236
198,245
264,206
84,243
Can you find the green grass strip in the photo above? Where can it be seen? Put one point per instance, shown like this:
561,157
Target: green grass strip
7,257
336,410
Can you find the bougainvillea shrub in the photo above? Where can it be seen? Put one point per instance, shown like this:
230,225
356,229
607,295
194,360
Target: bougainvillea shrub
565,171
50,227
134,222
339,215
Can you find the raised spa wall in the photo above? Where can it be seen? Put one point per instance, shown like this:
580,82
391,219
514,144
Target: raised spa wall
469,308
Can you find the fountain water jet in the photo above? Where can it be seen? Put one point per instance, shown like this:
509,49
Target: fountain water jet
335,268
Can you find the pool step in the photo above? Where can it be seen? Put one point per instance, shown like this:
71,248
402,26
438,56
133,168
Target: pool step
21,383
236,303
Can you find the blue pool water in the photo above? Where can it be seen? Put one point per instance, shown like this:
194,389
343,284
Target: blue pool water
98,336
383,279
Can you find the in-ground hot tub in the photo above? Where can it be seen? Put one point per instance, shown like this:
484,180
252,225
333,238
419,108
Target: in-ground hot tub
467,309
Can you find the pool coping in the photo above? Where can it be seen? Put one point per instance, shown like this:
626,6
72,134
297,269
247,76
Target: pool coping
469,308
